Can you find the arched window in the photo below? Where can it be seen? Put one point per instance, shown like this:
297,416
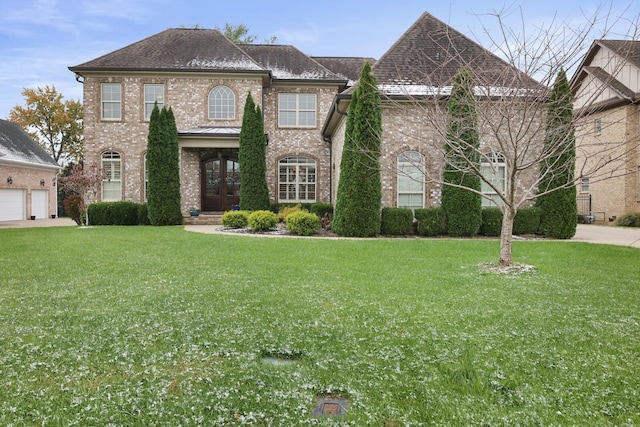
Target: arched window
112,184
410,177
494,171
222,103
297,180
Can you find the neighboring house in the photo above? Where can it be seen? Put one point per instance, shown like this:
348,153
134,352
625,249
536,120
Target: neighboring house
606,91
27,176
205,79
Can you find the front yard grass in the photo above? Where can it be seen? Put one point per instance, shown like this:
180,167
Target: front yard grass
142,326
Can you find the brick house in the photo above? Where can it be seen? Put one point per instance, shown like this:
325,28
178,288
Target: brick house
205,78
27,176
606,91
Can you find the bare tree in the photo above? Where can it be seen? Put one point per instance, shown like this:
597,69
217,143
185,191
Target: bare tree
511,108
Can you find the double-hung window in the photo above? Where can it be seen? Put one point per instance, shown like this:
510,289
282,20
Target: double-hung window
297,110
494,171
152,93
410,177
111,99
112,183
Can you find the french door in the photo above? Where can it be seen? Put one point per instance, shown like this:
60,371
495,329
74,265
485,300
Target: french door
220,183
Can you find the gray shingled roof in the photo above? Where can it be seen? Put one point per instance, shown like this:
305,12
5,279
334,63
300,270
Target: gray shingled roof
288,63
17,146
176,49
430,53
348,68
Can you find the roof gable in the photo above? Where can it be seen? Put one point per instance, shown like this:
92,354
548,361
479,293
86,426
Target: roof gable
17,146
430,53
176,49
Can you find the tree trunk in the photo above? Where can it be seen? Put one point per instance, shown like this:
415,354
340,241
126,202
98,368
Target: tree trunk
506,236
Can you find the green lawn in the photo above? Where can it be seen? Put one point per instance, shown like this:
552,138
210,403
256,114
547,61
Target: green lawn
145,326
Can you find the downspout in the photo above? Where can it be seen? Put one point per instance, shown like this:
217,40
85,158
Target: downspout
328,140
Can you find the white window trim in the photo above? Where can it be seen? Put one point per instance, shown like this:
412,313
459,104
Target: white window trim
494,162
103,102
416,166
301,164
111,160
151,103
584,182
214,94
298,110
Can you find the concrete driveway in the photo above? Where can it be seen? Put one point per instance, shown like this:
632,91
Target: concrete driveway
590,233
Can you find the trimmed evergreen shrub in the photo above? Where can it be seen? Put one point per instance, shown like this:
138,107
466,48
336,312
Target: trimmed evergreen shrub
285,211
114,213
262,220
358,200
143,215
491,222
254,191
629,220
321,208
527,221
430,221
303,223
396,221
163,168
463,208
559,208
235,219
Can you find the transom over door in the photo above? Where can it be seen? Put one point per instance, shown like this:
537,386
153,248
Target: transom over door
220,183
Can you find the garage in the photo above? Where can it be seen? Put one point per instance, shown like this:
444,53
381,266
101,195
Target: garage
13,206
39,203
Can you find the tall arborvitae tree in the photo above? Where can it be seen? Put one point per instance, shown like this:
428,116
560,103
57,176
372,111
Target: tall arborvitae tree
163,192
254,191
462,207
358,201
558,208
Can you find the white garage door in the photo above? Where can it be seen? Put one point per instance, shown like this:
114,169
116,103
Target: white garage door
39,203
12,205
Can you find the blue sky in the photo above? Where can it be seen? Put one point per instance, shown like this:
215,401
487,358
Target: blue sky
39,39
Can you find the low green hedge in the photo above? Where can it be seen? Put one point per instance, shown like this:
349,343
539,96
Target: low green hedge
527,221
114,213
303,223
430,221
491,222
321,208
262,220
235,219
396,221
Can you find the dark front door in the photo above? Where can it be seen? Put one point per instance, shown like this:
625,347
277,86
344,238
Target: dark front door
220,183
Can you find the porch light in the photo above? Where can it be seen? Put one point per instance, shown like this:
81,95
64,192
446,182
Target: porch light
42,182
9,180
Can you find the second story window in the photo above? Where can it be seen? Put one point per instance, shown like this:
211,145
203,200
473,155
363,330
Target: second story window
584,185
222,103
297,110
152,93
111,98
597,126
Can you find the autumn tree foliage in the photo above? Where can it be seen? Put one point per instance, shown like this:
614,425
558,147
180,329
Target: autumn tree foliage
358,200
85,183
54,123
254,190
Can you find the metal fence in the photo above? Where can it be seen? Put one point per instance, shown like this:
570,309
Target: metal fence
585,214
